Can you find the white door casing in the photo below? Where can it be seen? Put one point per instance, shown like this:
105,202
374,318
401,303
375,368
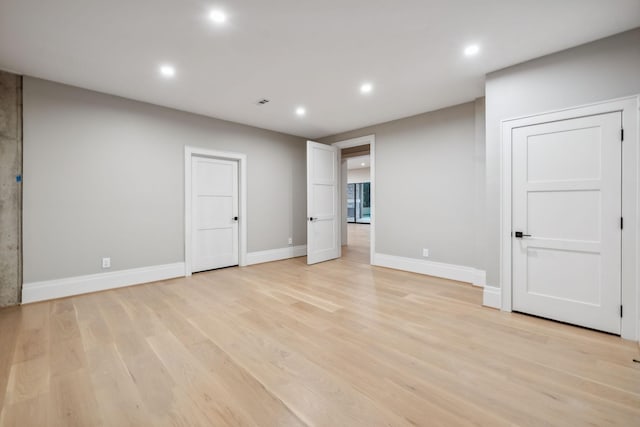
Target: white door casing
323,205
566,194
344,175
214,213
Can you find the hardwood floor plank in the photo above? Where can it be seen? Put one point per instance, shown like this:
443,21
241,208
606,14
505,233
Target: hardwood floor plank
9,326
72,401
212,398
118,399
31,412
346,359
265,408
347,364
307,389
28,380
33,334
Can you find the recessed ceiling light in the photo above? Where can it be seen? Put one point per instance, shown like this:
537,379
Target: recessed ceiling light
301,111
366,88
167,71
471,50
361,164
217,16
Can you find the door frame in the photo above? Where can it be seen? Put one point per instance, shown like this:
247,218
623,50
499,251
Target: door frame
356,142
630,322
189,153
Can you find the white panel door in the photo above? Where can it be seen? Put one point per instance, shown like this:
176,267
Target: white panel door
215,213
567,205
323,206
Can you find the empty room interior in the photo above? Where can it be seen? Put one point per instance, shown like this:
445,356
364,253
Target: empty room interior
335,213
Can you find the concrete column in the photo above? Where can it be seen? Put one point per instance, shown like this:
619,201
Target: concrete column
10,188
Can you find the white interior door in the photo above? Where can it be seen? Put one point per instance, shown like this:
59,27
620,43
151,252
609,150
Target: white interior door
567,205
323,205
214,192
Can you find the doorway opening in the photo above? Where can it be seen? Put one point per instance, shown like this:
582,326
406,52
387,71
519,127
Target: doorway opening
357,195
358,190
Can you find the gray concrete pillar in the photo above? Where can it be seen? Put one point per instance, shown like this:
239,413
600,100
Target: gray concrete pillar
10,188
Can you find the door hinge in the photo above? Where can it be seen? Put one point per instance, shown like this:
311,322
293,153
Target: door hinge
621,134
620,311
621,223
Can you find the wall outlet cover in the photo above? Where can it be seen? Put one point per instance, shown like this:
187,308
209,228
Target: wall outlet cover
291,240
106,262
425,252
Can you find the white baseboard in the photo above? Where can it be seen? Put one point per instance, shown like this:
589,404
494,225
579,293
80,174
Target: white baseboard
491,297
276,254
50,289
432,268
480,278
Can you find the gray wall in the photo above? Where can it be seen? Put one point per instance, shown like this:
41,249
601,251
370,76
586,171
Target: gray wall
605,69
426,171
10,189
359,175
104,176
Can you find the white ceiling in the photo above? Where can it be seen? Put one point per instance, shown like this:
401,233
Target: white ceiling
358,162
293,52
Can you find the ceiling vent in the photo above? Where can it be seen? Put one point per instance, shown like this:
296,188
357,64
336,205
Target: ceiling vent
263,101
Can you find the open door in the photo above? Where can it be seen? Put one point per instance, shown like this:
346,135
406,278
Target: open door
323,203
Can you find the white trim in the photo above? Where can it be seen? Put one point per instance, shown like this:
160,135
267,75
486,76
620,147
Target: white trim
629,107
356,142
276,254
189,152
59,288
344,175
432,268
491,297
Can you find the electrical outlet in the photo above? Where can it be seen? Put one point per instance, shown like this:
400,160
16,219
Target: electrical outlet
106,262
425,253
291,240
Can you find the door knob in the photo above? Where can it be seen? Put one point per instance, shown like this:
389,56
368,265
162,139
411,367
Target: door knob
520,235
235,218
312,218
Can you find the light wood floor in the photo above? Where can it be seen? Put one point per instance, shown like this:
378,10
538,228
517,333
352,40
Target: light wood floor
286,344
